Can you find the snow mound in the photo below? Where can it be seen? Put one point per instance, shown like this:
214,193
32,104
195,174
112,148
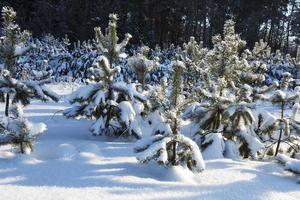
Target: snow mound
62,151
231,150
37,128
89,148
289,163
181,174
217,147
66,151
170,174
127,112
6,155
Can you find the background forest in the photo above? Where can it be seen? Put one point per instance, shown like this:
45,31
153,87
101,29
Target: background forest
164,22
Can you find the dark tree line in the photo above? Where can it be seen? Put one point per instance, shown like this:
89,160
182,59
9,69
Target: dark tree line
164,22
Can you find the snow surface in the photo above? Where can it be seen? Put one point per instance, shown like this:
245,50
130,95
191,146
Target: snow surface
69,163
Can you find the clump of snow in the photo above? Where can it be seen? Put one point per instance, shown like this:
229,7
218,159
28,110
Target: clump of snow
231,150
98,126
127,112
289,163
217,147
62,151
37,128
254,144
151,151
89,148
157,123
172,174
6,154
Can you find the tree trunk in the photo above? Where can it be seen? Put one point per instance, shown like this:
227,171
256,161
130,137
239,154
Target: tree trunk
270,38
174,152
203,18
109,109
6,105
288,28
280,133
175,132
22,148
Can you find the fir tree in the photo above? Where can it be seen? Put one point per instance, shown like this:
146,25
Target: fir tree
108,102
142,65
12,45
171,147
107,44
261,51
224,114
225,120
17,130
193,56
282,97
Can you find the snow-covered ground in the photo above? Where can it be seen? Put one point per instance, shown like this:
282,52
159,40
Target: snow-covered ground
69,163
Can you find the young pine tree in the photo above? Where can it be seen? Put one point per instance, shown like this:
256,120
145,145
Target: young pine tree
114,105
15,128
224,114
171,147
142,65
193,56
12,45
278,129
18,131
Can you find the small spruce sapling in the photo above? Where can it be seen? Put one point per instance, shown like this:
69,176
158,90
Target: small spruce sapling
171,147
261,51
282,97
112,104
20,91
17,130
193,56
224,113
12,45
225,121
107,44
142,65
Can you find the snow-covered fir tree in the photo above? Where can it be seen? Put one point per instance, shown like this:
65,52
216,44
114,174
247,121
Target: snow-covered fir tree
83,54
107,44
276,130
226,124
170,147
114,105
224,114
14,126
273,65
12,45
193,56
261,51
56,52
17,130
224,64
142,65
